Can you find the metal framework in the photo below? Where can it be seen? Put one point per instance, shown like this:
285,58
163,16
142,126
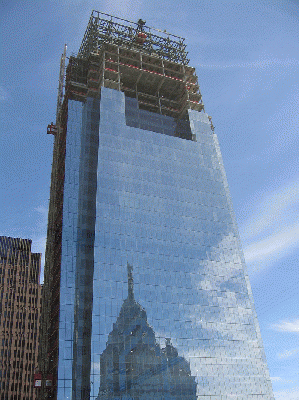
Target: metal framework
104,28
143,62
160,85
61,82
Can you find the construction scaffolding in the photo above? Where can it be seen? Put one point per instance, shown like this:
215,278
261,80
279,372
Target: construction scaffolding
104,28
159,85
129,57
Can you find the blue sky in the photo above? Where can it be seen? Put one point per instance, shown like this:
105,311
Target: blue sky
246,55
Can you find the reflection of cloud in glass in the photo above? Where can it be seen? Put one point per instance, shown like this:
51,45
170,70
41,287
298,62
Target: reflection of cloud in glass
223,292
224,304
287,326
134,366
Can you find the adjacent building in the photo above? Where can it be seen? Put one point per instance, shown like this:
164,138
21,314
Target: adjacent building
138,181
20,306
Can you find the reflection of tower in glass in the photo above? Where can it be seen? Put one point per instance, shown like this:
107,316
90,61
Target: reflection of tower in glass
133,366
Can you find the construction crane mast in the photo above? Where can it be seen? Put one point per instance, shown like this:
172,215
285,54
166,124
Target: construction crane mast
52,128
61,84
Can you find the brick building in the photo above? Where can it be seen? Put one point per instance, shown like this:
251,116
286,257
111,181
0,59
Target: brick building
20,293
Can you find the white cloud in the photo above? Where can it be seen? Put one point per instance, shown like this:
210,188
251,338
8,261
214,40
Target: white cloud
4,96
276,379
273,246
43,211
271,232
39,235
39,246
288,353
291,394
287,326
280,380
124,8
272,209
263,75
266,63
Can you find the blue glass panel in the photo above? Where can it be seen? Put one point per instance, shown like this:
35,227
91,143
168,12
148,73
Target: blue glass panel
163,306
69,254
180,323
77,249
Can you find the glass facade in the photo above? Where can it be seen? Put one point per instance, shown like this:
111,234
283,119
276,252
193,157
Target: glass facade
155,298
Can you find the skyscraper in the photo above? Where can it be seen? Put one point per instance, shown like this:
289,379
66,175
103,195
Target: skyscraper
19,318
139,194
